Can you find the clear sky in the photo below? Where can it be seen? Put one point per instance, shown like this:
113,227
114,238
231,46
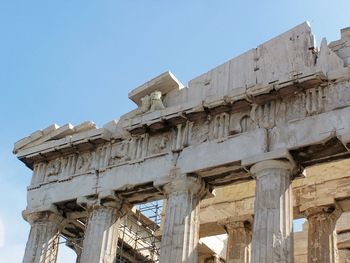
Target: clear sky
71,61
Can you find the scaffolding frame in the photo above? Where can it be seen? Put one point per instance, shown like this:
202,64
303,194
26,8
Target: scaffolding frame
147,219
138,239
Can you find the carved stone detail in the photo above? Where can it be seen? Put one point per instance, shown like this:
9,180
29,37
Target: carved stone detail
39,172
314,100
140,146
152,102
219,126
162,142
268,114
183,135
120,152
84,162
200,132
103,156
54,167
68,166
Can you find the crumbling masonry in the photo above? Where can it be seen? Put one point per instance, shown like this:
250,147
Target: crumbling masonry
254,123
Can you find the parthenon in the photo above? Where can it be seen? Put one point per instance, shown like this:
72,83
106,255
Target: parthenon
241,151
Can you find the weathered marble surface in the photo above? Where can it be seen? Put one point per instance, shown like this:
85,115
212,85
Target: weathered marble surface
324,185
285,100
194,145
42,244
322,236
273,213
181,227
239,239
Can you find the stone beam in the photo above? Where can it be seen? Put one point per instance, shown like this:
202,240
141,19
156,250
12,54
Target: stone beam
112,178
324,185
164,83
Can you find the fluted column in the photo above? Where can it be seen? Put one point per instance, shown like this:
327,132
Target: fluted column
181,227
273,213
239,238
42,244
322,236
102,232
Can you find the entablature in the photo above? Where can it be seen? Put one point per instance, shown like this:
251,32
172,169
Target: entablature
286,99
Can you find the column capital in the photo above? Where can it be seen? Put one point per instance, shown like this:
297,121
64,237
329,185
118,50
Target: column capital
273,215
104,200
271,164
181,226
185,183
236,223
42,244
326,212
102,230
322,236
42,217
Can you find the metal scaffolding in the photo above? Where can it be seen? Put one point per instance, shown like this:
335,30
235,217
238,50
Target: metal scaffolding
139,235
138,240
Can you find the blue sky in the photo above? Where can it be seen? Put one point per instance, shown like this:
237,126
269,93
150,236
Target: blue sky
71,61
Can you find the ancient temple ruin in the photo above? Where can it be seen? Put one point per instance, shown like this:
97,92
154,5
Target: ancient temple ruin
243,149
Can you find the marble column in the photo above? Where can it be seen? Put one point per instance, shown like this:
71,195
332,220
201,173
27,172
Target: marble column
42,244
181,227
322,236
239,238
102,232
273,213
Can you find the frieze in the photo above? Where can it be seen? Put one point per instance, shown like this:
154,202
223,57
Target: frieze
84,162
199,132
120,152
54,168
39,172
183,135
219,126
68,166
161,142
137,148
